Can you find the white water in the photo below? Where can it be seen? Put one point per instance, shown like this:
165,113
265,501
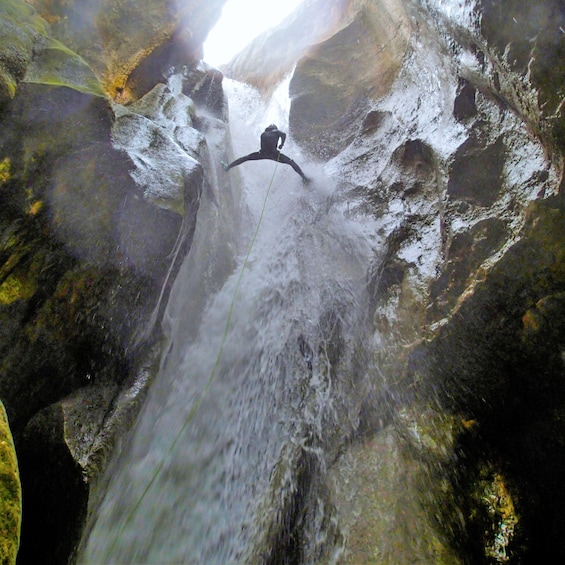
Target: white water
202,499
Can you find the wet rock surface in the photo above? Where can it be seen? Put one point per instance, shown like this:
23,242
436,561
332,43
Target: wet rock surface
441,123
499,369
529,38
462,168
332,83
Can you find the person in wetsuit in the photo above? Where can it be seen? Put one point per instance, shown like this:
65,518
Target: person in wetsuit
269,150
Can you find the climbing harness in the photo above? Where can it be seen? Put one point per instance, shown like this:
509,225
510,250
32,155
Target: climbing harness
197,403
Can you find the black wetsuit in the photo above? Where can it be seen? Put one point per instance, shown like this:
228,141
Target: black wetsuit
269,141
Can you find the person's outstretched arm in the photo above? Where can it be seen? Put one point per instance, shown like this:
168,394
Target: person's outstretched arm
282,137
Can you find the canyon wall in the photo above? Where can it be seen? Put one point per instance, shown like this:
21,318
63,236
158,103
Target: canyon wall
443,122
92,229
440,122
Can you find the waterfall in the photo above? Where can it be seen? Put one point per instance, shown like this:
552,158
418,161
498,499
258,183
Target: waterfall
237,407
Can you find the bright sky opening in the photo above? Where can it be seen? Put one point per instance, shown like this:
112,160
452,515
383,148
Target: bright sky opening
241,22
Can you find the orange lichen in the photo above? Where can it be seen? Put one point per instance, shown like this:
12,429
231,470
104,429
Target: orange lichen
469,424
531,321
35,208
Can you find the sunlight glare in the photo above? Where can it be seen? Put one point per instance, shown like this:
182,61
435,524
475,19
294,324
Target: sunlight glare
241,22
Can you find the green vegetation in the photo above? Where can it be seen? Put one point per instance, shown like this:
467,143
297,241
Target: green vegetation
16,287
4,170
20,30
57,65
10,494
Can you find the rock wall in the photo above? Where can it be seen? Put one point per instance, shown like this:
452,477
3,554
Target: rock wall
331,82
443,122
472,257
273,54
93,228
128,45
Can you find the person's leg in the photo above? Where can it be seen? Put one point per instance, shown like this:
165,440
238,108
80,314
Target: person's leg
251,157
282,158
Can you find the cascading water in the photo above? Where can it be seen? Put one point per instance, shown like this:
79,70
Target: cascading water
273,376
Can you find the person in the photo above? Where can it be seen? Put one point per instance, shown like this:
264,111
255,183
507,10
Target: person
269,150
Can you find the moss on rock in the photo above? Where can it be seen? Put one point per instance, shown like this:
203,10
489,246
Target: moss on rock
129,46
20,31
4,170
57,65
10,494
17,286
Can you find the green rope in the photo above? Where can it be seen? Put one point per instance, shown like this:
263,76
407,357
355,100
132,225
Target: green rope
197,404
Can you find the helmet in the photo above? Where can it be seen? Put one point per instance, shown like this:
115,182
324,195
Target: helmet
271,127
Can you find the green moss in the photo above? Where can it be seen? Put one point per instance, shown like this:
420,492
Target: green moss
29,54
8,83
57,65
18,272
19,20
20,30
16,287
5,170
10,494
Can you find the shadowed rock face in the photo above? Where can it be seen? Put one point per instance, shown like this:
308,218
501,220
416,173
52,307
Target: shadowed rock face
530,39
476,174
332,83
91,231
